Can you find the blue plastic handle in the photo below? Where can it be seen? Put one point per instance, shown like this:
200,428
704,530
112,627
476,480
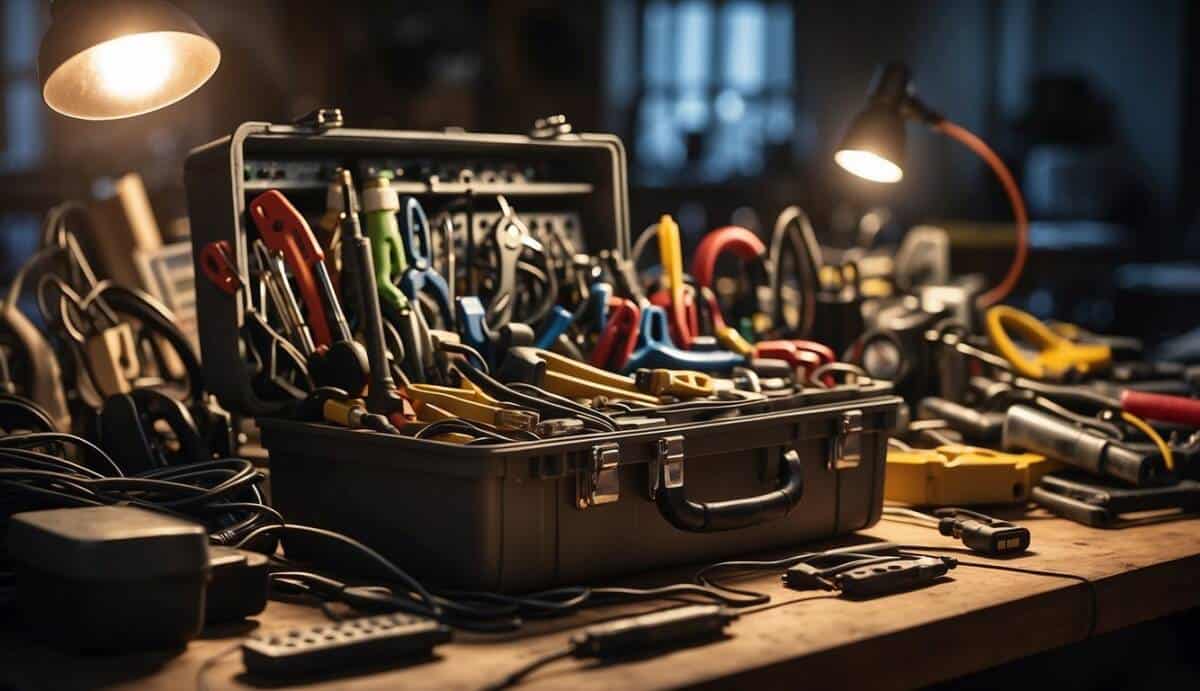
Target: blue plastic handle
554,326
599,294
656,350
472,325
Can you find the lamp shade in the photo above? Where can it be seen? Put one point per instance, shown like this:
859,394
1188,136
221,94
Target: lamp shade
873,145
108,59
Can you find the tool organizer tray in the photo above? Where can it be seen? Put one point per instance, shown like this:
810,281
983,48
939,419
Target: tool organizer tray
523,515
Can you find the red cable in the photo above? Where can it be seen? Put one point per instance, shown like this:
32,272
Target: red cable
964,136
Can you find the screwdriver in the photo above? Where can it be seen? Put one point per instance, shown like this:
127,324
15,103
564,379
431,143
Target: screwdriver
382,396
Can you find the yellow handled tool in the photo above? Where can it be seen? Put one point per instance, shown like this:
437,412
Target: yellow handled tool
449,401
958,475
1056,357
568,377
671,382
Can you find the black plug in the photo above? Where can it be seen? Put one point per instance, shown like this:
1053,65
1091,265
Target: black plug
984,533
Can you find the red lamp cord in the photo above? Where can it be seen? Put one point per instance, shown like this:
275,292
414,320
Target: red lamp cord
1002,289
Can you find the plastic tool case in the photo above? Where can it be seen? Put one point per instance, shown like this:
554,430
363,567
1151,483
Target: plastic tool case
524,515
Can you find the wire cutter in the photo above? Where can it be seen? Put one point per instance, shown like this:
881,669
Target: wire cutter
338,358
419,275
284,230
1056,357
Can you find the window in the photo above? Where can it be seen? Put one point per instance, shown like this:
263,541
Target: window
22,139
712,91
23,135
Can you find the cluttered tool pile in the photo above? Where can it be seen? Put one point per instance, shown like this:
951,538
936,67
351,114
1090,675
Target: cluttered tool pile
477,390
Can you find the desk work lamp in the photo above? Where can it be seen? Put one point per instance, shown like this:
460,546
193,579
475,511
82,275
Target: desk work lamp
109,59
873,148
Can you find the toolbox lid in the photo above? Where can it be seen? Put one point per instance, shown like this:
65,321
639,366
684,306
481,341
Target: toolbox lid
108,543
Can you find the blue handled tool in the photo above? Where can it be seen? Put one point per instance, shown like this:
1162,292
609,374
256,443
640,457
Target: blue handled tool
554,326
472,324
491,344
420,276
599,294
655,349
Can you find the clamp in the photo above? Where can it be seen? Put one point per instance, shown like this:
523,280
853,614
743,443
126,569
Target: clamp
1057,357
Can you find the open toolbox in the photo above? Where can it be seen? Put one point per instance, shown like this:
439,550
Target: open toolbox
523,514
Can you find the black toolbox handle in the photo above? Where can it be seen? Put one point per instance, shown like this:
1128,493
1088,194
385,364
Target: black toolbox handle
731,514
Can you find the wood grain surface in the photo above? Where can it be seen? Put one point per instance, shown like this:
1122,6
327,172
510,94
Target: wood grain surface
974,619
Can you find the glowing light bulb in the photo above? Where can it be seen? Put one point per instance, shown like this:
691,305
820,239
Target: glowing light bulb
868,165
135,66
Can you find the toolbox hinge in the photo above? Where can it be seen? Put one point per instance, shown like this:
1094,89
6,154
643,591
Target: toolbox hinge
845,447
550,127
322,119
599,483
669,458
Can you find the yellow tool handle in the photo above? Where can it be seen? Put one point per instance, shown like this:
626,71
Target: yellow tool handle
732,340
573,379
574,387
1056,356
671,252
343,411
681,383
457,404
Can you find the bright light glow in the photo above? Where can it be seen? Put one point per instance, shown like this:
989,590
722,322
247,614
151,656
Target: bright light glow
866,164
133,66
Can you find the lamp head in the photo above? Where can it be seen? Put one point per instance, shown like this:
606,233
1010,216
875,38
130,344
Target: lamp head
108,59
873,145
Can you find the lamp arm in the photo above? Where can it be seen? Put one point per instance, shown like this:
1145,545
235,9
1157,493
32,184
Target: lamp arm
977,145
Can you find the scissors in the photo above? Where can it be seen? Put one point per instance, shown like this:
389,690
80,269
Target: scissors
419,275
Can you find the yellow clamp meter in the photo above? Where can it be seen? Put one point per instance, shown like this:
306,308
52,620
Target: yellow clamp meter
959,475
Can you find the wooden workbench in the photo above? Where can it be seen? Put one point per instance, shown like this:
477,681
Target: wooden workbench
976,618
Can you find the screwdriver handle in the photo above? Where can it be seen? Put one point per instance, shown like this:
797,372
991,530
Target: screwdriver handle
1157,406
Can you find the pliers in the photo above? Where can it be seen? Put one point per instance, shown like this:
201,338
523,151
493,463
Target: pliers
419,275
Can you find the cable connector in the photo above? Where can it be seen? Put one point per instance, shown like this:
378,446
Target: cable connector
983,533
672,627
676,627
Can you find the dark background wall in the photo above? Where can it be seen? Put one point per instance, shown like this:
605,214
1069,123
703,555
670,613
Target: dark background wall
1093,103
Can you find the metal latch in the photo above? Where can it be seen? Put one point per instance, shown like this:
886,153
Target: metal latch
321,119
550,127
845,448
667,463
599,483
